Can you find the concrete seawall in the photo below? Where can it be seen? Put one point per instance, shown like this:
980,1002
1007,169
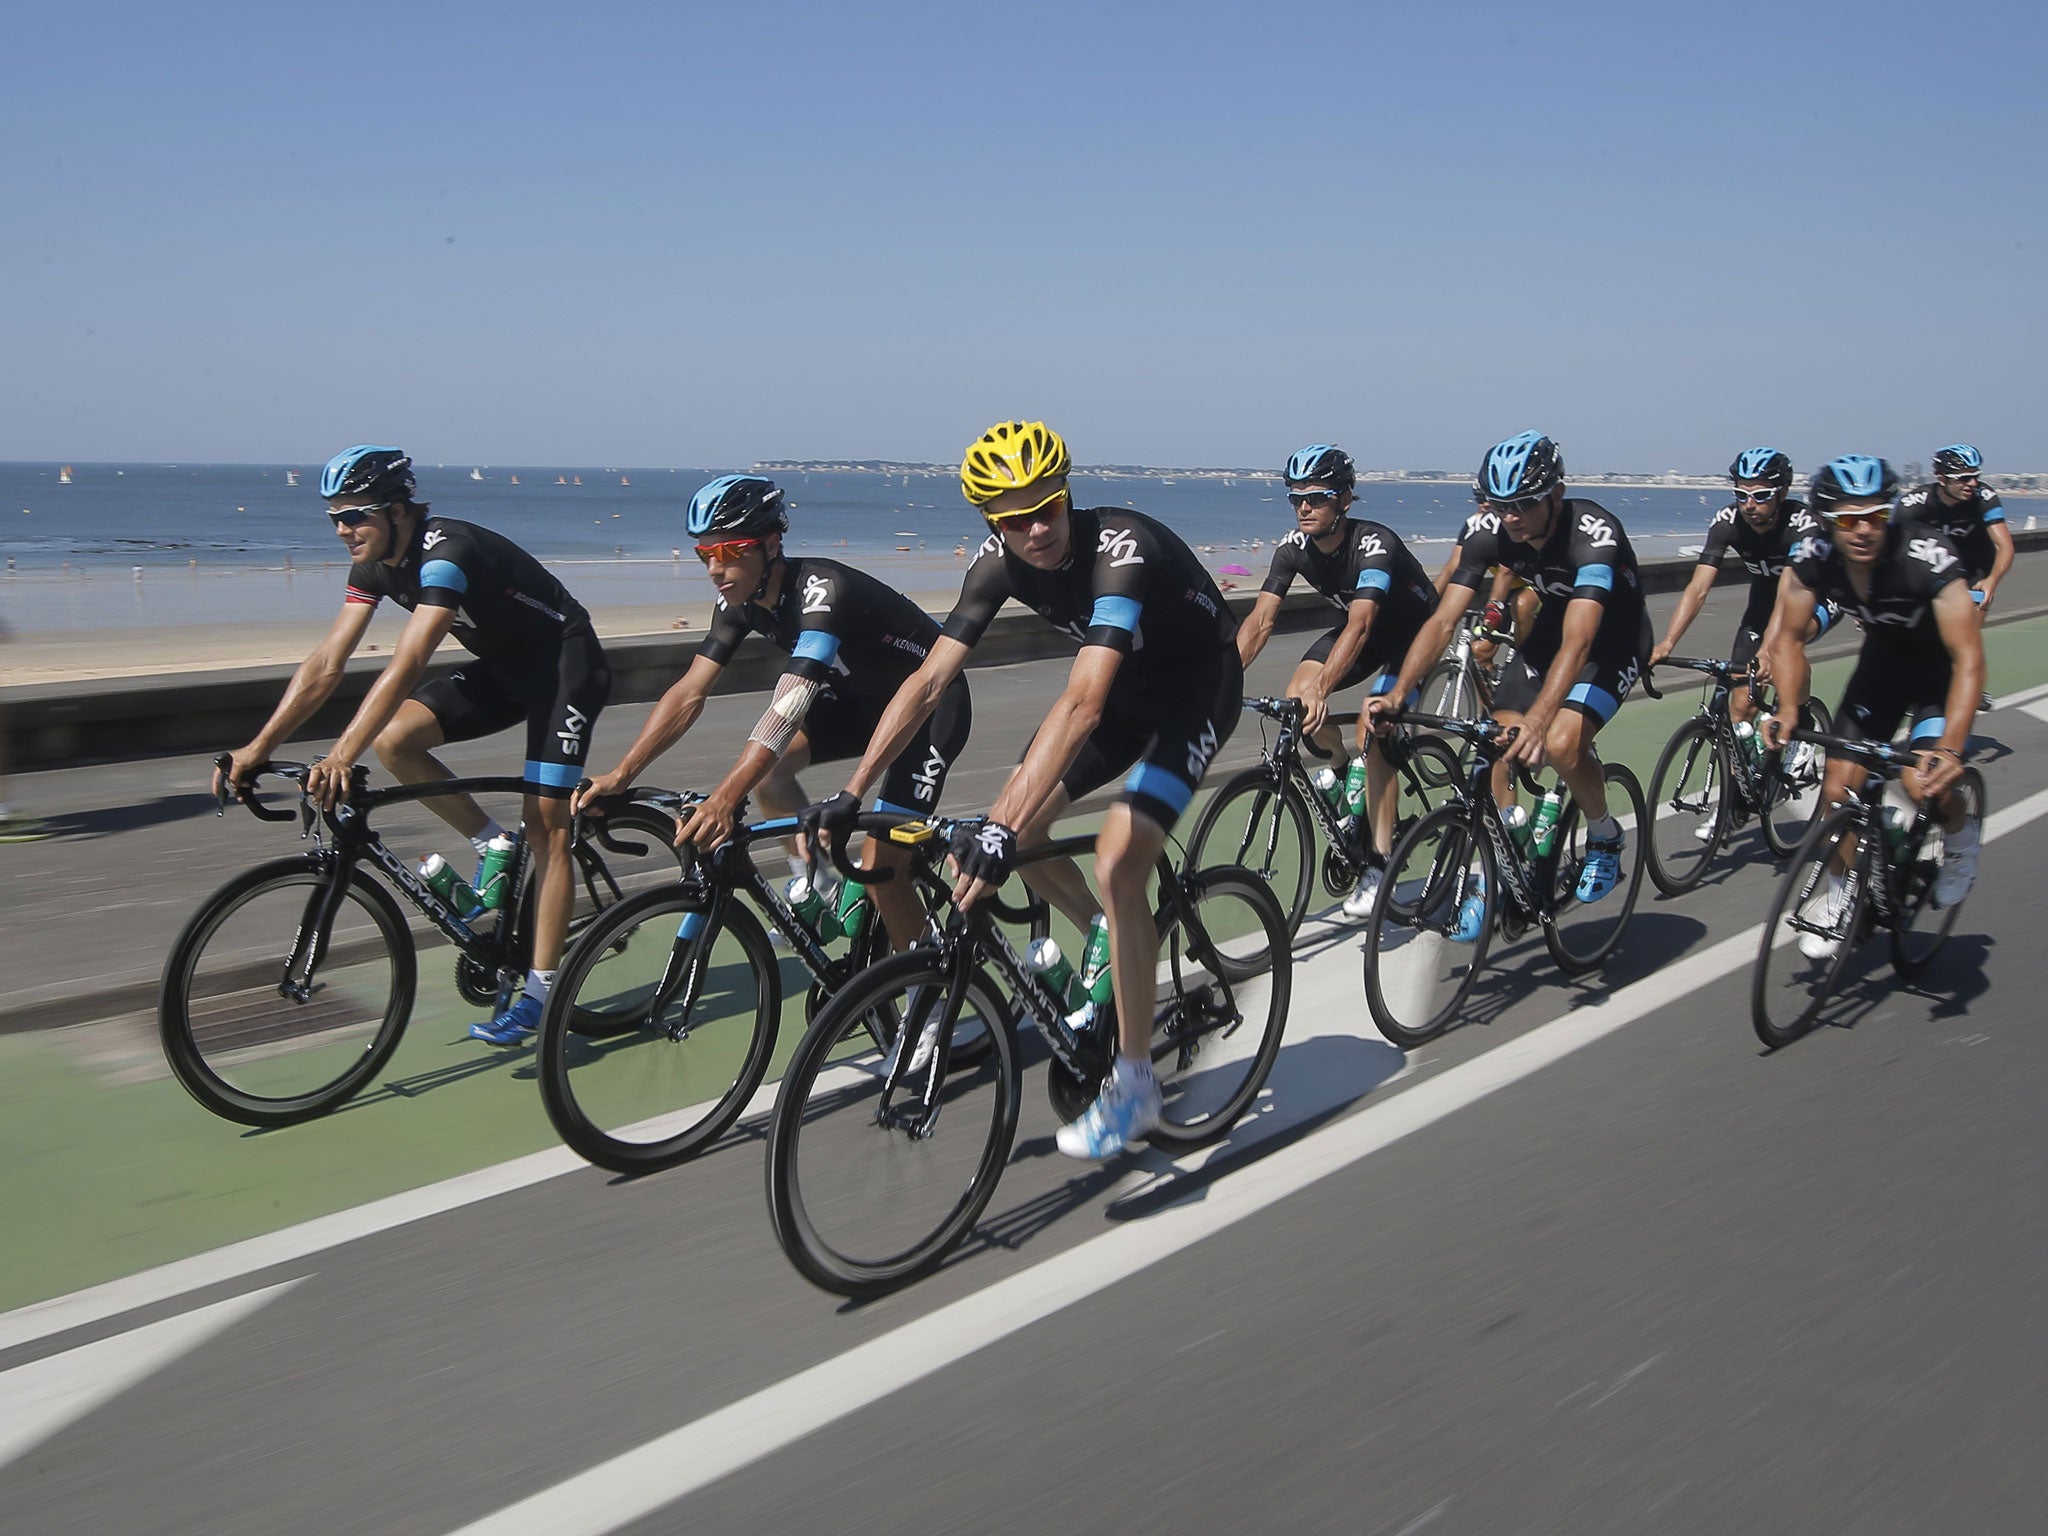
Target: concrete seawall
55,725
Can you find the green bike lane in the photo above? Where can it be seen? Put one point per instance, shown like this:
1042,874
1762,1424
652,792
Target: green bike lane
117,1170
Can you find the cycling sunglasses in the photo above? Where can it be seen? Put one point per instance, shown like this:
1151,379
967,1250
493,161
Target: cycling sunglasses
1757,498
1971,478
1879,515
1521,506
1312,498
726,550
355,517
1024,514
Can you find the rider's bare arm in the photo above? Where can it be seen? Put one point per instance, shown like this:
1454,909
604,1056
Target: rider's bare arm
1068,724
1791,672
423,632
1688,609
312,685
1257,627
912,706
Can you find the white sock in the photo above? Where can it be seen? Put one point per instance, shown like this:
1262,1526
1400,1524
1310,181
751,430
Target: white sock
1605,828
537,984
483,839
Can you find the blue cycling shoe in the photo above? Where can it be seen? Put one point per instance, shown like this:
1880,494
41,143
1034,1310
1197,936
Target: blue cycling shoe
1602,871
1471,913
515,1026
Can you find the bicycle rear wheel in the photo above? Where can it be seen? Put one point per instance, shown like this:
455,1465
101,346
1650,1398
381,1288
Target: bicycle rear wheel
1257,821
1581,935
242,1047
1791,793
658,1030
1811,930
1688,808
1922,927
1440,882
861,1201
1449,689
1220,1010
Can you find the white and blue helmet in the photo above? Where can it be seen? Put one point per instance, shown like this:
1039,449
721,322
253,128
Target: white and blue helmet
1525,465
745,506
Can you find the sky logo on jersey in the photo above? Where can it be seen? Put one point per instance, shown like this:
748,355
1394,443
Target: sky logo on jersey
816,598
1930,552
925,780
571,733
1200,750
434,536
1597,533
1120,543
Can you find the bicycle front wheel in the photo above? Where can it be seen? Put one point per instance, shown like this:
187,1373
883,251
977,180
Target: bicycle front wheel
1582,934
1221,1007
1923,927
239,1041
1688,808
866,1196
658,1030
1815,920
1431,925
1259,823
1448,689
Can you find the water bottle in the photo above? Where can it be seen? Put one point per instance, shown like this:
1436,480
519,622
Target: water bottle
1516,819
1896,824
1354,787
492,879
1050,966
804,900
1752,744
1095,963
852,916
439,876
1330,787
1543,831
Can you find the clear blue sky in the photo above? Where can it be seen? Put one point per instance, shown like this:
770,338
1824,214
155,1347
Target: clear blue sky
1184,233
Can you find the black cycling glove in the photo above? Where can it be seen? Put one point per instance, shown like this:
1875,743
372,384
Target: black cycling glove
835,815
987,852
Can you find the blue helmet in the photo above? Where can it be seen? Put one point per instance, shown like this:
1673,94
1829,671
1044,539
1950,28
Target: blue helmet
1852,477
1765,464
748,506
1527,464
1958,459
1319,461
368,470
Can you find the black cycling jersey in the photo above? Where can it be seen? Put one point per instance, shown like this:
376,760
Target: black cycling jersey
1371,564
1763,554
1587,555
1914,564
1967,526
839,626
1129,583
505,602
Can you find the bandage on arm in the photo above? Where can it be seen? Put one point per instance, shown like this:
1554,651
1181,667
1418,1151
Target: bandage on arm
785,712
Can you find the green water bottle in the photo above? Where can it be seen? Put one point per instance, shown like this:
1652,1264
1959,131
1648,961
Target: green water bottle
1046,962
439,876
1354,787
1516,819
852,916
1095,979
804,900
1543,830
493,879
1330,787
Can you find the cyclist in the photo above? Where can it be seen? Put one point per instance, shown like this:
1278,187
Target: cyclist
1583,654
1155,690
1968,511
1510,607
1922,658
1364,568
1762,526
538,660
851,641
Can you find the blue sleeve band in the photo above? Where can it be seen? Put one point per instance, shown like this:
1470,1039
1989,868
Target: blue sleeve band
445,574
1930,729
1153,780
817,645
1374,581
1994,515
554,775
1601,576
1116,612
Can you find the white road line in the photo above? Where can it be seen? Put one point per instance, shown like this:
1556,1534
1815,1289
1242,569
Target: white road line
633,1485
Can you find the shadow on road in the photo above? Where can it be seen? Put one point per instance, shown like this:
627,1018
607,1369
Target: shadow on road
112,820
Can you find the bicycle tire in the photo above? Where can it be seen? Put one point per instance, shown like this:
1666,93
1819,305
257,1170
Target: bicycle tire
649,1088
1914,947
241,1053
841,1184
1448,689
1220,1013
1788,818
1579,947
1417,977
1254,823
1679,856
1782,1012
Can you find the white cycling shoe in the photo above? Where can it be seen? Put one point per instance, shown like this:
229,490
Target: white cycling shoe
1358,905
1827,911
1958,864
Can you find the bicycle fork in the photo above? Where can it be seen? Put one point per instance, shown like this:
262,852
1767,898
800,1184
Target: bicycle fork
917,1020
316,927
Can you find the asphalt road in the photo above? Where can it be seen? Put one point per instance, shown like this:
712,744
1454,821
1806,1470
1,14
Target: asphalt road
1597,1264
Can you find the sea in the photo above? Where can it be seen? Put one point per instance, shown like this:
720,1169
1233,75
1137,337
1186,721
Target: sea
113,546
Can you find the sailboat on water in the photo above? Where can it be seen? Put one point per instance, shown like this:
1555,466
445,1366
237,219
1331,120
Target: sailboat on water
291,477
476,474
64,475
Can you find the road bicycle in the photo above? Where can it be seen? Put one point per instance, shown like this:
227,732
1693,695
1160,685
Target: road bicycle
1709,780
688,989
1270,818
1867,867
1461,686
1462,876
290,987
879,1165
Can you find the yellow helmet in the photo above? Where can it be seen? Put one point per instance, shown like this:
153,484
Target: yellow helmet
1009,455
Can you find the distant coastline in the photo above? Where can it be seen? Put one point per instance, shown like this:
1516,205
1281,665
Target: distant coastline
1672,480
